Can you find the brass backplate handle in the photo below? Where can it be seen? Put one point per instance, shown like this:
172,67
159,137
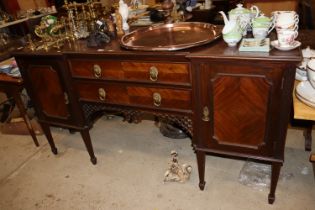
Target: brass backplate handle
101,94
97,71
154,73
205,114
157,99
66,98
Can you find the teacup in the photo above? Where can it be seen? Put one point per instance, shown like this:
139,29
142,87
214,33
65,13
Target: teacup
286,19
286,37
311,72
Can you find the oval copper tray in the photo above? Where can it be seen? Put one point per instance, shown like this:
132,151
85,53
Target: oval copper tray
170,37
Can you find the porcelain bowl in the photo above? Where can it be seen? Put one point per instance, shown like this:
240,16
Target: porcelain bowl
232,38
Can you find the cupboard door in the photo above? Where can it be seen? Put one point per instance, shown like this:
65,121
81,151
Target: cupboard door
238,100
50,95
47,82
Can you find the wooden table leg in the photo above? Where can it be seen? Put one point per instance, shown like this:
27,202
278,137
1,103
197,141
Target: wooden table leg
275,172
88,144
308,136
312,160
20,105
49,137
201,159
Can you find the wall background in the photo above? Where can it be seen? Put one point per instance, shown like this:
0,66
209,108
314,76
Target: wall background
267,6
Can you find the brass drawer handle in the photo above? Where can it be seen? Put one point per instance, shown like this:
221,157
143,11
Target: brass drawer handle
66,98
154,73
157,99
205,114
97,71
101,94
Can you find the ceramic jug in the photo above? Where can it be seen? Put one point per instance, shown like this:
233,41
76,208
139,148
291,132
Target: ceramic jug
244,15
262,26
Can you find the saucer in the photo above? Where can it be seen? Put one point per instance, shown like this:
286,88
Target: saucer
306,91
294,45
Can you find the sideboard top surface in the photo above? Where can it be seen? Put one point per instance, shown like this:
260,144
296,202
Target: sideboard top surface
215,50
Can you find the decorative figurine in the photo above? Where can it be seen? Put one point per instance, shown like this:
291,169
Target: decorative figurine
176,172
124,12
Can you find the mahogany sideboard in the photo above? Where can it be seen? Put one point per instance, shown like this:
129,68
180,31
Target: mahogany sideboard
230,103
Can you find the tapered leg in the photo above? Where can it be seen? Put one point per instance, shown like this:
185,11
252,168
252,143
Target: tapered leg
23,113
88,144
50,139
201,158
312,160
308,136
275,171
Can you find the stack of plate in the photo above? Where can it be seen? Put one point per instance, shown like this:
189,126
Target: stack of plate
5,68
10,70
301,73
306,93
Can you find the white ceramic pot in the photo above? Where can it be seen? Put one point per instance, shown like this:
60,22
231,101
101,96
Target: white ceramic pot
262,26
243,16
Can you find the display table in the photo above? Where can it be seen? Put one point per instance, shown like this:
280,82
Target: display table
301,110
13,88
305,112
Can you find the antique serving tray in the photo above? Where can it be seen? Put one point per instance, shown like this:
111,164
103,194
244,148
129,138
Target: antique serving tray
170,37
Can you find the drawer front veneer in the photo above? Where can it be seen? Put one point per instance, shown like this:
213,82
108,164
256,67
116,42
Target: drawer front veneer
133,95
155,72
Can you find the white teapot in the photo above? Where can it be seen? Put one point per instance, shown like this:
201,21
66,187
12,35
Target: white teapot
244,15
233,30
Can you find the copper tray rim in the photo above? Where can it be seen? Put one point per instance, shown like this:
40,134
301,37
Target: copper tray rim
170,47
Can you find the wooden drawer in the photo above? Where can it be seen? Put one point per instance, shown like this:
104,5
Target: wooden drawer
155,72
133,95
